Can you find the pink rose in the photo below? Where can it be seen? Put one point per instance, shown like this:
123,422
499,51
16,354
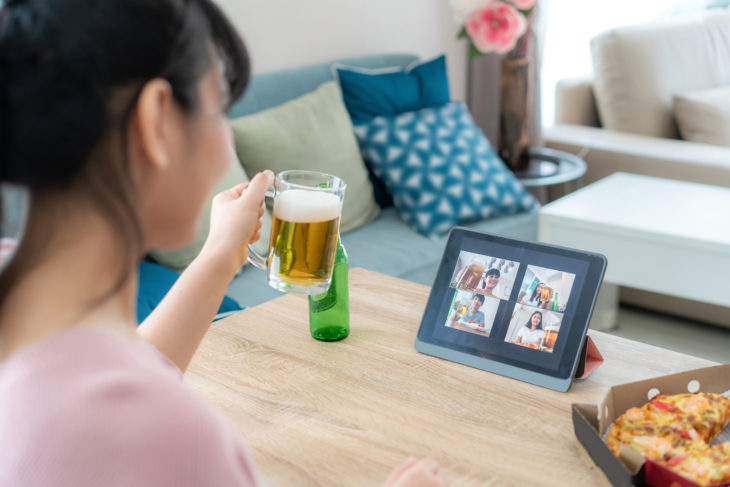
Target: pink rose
523,4
496,27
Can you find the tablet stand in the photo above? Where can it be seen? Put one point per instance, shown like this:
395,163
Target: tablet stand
590,359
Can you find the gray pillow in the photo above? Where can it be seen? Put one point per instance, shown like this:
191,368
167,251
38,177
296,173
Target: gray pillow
312,132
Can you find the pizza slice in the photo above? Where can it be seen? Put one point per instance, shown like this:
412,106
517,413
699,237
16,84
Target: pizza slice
697,416
675,431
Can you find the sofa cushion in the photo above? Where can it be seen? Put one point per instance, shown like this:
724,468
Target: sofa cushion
179,259
267,90
704,116
440,168
638,69
154,283
312,132
387,92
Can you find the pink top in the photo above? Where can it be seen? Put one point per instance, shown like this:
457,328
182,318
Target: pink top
87,408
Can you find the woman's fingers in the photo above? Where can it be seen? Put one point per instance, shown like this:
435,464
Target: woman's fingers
398,471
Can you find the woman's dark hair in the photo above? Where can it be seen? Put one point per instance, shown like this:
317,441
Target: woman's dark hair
529,322
492,272
71,72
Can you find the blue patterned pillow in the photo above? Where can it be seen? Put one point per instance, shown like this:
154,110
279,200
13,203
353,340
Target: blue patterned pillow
440,168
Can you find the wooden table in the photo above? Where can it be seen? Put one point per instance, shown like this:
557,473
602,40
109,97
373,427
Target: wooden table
344,413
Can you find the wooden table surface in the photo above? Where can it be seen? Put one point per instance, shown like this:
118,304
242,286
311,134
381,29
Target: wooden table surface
345,413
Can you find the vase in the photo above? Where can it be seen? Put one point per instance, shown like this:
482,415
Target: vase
515,117
519,97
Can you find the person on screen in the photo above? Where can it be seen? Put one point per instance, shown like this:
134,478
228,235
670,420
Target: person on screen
532,333
473,315
534,299
489,282
113,120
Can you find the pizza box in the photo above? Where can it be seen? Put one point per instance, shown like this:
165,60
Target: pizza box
590,421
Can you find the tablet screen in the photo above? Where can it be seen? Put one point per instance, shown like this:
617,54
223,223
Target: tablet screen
518,303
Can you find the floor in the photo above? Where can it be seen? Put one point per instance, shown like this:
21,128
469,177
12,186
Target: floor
690,337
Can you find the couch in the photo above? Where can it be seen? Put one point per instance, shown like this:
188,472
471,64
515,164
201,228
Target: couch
623,118
386,244
629,116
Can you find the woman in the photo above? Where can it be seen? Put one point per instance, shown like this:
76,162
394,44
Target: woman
112,116
534,299
532,333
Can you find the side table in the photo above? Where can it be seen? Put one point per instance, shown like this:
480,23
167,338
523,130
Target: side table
552,174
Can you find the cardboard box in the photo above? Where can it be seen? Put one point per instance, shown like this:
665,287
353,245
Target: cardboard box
591,421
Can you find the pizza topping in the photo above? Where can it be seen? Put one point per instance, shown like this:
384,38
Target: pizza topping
663,406
677,459
696,403
690,434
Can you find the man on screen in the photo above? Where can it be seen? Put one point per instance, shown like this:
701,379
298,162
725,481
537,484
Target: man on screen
489,281
473,315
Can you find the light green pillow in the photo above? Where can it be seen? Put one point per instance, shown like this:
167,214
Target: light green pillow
312,132
178,259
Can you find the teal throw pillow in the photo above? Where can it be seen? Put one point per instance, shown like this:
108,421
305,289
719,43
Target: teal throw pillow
440,169
388,92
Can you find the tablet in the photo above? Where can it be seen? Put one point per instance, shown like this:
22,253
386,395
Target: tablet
516,308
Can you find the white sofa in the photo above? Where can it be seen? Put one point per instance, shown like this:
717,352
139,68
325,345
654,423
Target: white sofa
624,119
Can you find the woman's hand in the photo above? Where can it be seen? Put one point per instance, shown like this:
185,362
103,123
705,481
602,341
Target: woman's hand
416,473
235,220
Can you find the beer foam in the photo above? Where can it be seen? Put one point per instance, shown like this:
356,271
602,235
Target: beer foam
301,206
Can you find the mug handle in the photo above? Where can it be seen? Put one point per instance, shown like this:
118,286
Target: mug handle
254,257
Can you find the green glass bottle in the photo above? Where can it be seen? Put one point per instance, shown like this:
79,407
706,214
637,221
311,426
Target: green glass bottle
329,312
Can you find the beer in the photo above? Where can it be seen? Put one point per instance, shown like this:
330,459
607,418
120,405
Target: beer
470,277
551,336
304,238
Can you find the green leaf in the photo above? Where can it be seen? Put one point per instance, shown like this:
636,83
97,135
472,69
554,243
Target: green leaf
462,33
474,52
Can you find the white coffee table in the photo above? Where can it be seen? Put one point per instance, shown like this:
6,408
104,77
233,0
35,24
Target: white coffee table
664,236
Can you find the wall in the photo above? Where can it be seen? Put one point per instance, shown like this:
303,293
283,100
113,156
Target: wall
287,33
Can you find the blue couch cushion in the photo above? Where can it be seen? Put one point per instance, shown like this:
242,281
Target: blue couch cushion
440,169
154,282
389,92
268,90
390,247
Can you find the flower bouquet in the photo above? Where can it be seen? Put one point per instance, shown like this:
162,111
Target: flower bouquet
493,25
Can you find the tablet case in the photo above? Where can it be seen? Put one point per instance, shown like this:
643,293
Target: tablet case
590,359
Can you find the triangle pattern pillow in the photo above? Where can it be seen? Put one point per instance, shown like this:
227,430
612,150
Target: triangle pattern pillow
440,168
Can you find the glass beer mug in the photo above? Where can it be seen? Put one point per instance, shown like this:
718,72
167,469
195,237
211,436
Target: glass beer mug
307,208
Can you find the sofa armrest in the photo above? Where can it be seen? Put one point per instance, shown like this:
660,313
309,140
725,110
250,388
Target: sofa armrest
607,151
574,102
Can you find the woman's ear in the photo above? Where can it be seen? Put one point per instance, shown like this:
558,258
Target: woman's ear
153,122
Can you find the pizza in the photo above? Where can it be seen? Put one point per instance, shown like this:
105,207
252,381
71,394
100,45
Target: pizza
676,431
